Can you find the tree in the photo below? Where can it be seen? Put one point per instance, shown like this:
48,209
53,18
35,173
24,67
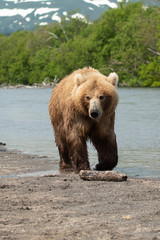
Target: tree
125,40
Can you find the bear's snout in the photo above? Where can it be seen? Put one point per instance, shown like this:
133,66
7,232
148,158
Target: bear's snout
95,110
94,114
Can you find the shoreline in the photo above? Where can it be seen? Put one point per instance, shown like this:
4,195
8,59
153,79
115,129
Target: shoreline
63,206
35,85
53,84
28,164
19,86
16,163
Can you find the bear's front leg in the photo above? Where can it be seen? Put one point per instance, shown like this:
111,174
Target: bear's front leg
107,152
79,155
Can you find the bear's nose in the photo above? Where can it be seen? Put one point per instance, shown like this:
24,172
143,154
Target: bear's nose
94,114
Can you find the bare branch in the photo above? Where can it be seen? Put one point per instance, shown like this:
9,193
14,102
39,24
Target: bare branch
53,36
64,32
49,38
157,53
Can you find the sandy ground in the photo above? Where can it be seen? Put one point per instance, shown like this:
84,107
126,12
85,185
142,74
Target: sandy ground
64,207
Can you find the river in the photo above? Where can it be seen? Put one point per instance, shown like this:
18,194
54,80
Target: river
25,125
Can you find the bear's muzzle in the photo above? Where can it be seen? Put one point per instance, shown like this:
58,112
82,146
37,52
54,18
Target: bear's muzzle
95,110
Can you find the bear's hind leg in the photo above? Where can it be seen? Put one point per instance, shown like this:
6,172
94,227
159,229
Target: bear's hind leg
65,163
79,155
107,152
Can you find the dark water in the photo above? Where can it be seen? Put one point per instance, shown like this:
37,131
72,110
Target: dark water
25,125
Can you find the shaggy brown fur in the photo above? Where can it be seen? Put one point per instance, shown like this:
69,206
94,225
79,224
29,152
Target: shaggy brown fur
82,107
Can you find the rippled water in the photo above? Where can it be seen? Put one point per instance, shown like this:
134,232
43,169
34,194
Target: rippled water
25,125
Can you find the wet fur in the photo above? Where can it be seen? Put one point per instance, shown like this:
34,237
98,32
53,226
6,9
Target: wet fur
69,113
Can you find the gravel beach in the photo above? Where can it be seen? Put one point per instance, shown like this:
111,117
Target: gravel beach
36,205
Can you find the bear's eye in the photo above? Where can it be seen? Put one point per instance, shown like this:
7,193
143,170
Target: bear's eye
88,98
101,97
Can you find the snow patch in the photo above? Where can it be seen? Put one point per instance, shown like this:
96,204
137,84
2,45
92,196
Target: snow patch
90,8
16,1
28,19
43,23
55,17
78,15
41,11
42,17
48,3
15,11
65,13
98,3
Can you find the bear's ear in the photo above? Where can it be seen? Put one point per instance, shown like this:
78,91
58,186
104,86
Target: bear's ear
78,79
113,78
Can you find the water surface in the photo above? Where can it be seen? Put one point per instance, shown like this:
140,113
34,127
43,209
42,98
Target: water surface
25,125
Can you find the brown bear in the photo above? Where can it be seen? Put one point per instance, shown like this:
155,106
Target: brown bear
82,107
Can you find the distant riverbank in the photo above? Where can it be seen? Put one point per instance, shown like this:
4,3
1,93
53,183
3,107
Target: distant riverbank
53,84
35,85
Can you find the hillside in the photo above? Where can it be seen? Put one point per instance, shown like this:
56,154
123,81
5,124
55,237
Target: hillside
26,14
124,40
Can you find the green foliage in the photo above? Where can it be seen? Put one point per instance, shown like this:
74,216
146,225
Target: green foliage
125,40
150,73
125,47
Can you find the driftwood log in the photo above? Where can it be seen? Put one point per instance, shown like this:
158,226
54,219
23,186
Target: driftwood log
102,176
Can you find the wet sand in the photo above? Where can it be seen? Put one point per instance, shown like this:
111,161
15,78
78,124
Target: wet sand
64,207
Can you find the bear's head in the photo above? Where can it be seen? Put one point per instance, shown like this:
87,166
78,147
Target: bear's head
94,94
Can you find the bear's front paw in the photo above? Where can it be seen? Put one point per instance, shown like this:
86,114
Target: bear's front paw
64,167
78,169
103,167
